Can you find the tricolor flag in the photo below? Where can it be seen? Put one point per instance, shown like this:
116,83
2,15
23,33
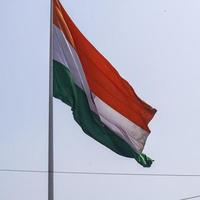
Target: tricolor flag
102,102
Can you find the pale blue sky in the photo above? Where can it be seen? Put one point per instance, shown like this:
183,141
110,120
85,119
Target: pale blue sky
154,45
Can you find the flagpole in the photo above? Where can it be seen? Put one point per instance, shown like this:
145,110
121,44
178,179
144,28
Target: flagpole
50,128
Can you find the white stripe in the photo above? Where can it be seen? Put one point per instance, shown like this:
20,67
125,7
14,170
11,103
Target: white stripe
126,129
64,53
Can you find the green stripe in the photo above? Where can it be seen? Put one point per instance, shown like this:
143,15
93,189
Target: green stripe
67,91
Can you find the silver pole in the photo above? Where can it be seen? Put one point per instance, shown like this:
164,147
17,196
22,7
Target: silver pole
50,131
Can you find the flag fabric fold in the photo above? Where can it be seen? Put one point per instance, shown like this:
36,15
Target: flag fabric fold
102,102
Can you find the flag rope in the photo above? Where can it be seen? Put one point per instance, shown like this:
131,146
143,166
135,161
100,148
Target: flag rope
192,197
100,173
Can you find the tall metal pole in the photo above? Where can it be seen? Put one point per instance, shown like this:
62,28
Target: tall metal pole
50,135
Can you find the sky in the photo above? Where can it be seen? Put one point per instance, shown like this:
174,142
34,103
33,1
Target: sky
154,45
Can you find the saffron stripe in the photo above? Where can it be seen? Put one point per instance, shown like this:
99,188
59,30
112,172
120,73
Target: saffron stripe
104,81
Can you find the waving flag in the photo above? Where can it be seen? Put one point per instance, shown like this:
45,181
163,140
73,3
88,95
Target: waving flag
102,102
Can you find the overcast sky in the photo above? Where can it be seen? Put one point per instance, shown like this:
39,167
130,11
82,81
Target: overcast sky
154,45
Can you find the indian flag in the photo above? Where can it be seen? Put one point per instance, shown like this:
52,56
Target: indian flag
102,102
